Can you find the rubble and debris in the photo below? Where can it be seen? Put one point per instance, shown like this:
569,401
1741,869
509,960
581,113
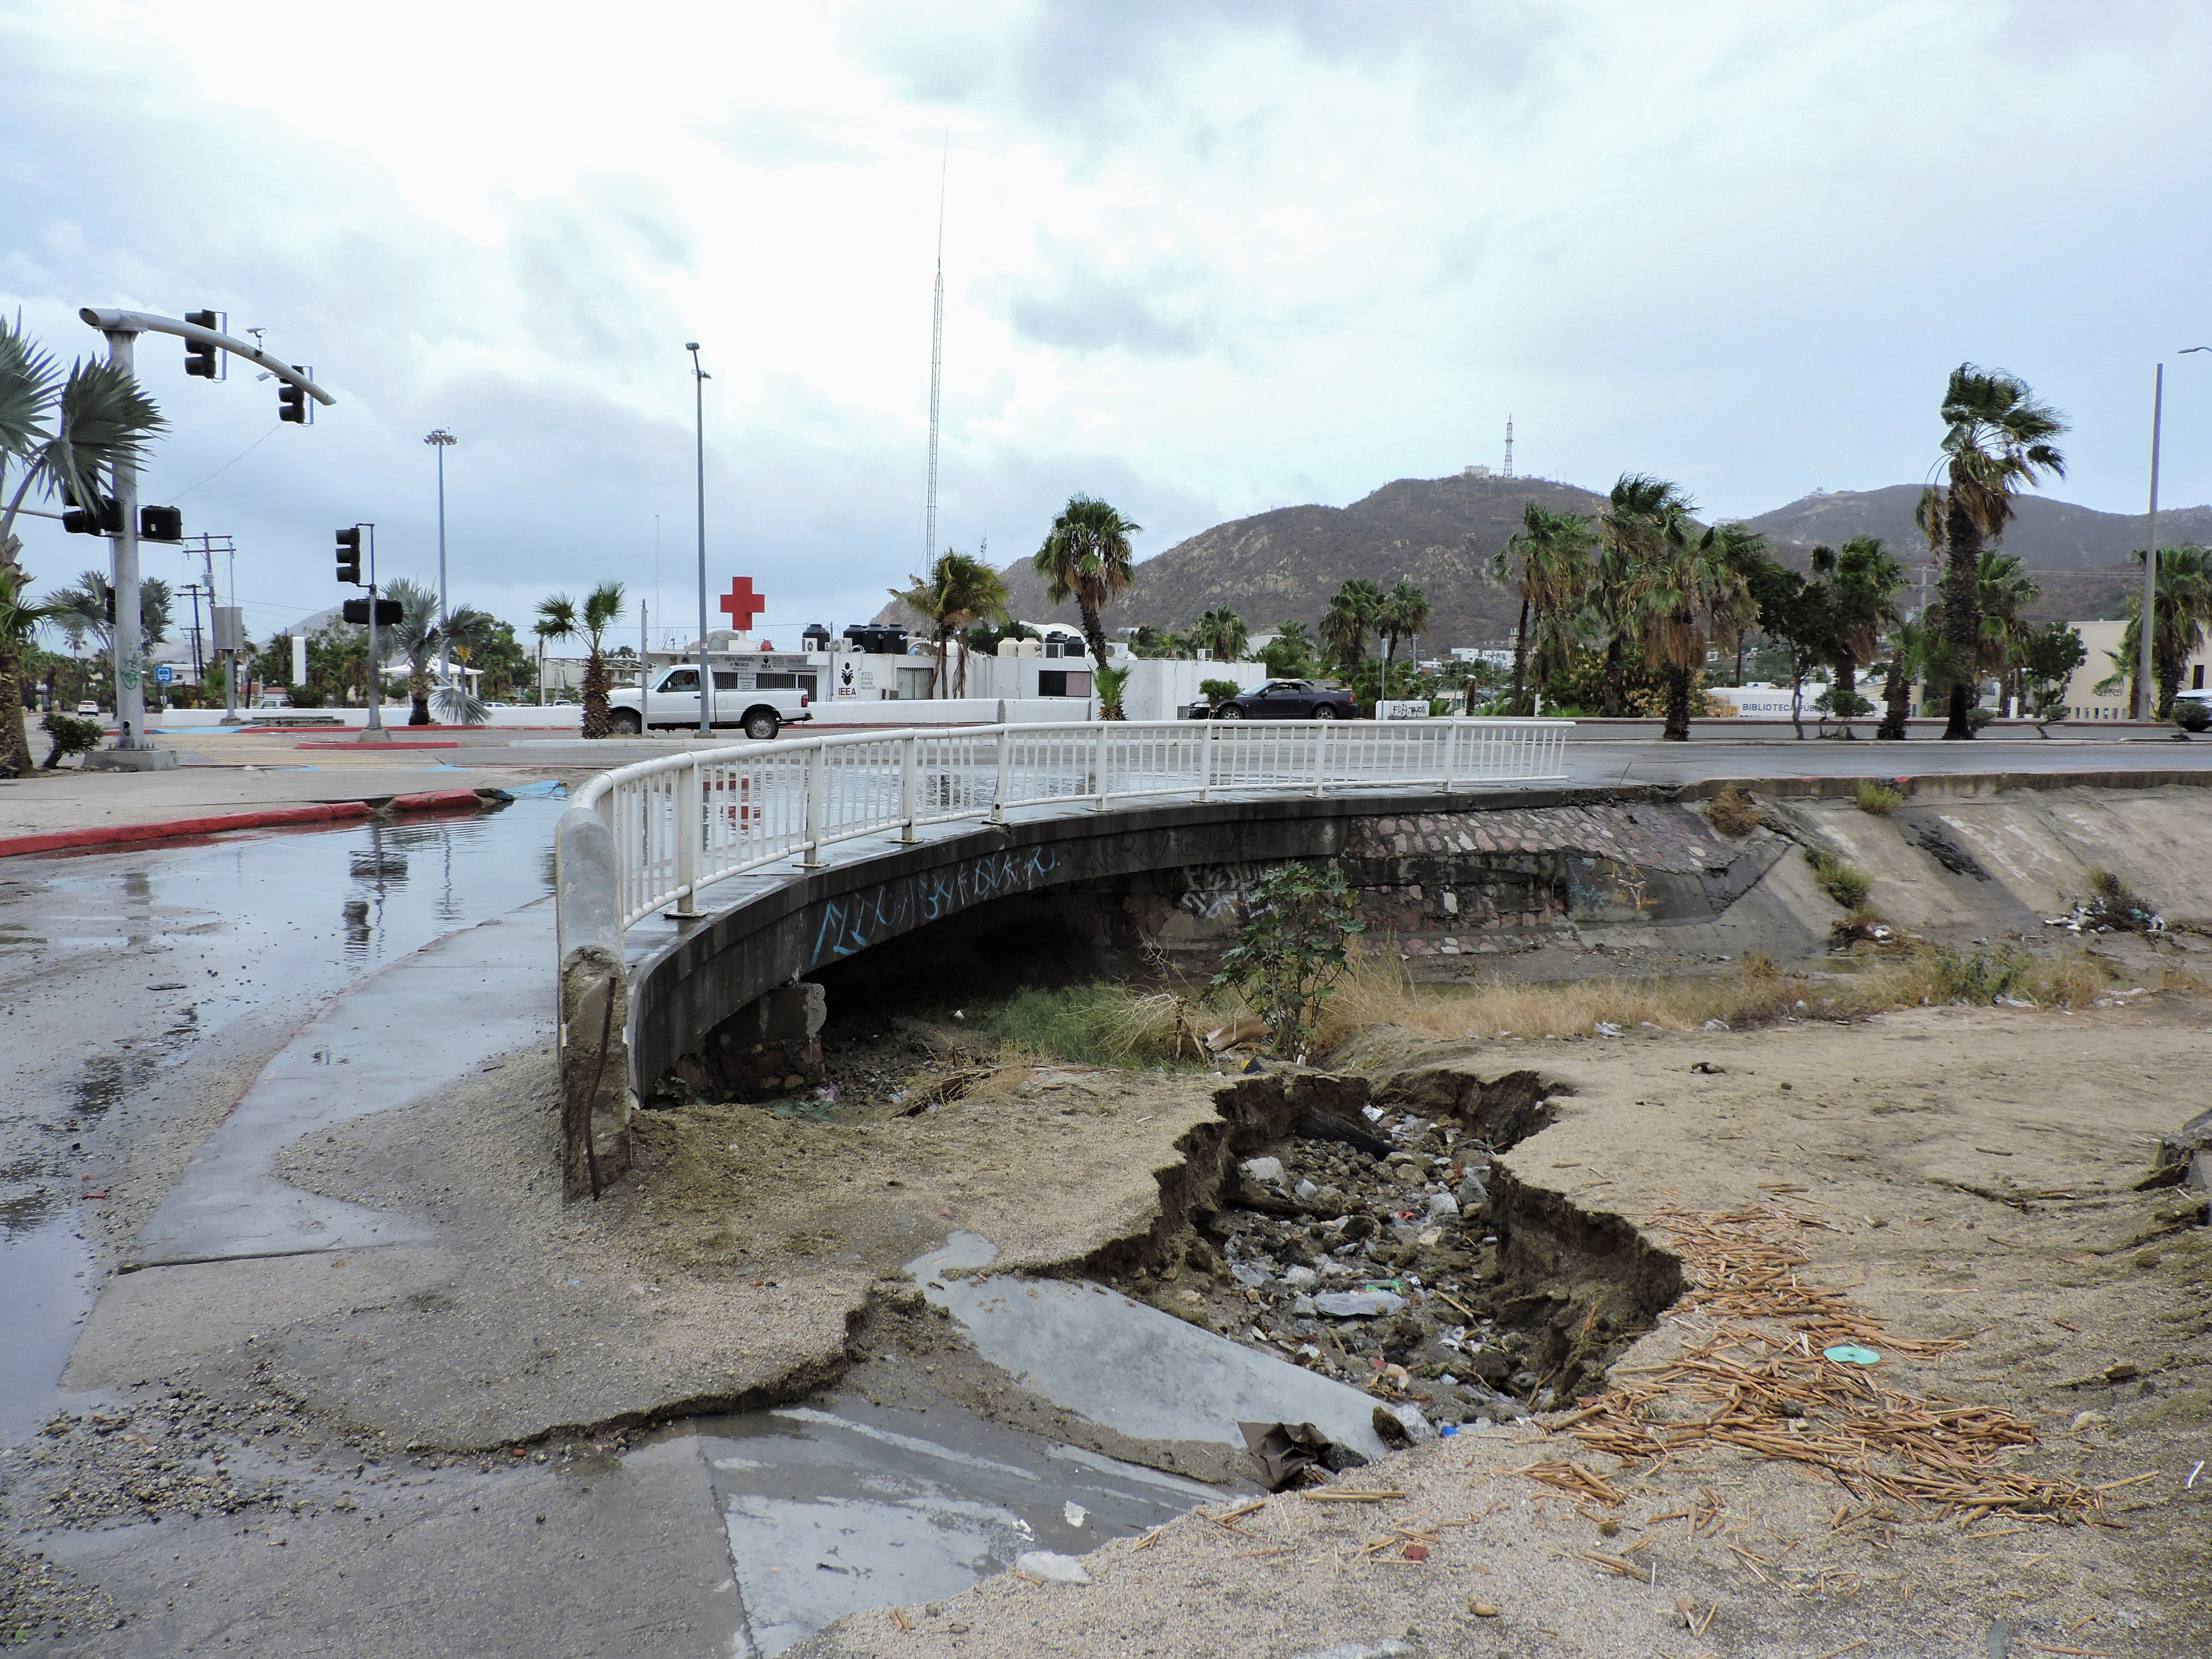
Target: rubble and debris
1048,1567
1282,1453
2187,1157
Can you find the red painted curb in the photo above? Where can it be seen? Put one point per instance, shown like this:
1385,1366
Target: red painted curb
432,800
111,835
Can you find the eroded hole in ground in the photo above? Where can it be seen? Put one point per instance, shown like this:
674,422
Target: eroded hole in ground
1398,1257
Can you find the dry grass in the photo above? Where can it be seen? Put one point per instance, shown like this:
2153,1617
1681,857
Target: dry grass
1879,798
1378,992
1734,813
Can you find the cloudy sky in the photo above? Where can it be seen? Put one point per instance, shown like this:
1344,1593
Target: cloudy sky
1201,258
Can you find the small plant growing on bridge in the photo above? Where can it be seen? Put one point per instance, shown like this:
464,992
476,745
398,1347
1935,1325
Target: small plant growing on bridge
1217,692
1879,798
1293,950
71,736
1734,813
1848,887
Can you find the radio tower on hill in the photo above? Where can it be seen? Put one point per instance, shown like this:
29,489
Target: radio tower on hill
1506,474
936,359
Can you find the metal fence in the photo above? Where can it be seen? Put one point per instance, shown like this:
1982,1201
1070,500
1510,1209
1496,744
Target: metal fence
684,822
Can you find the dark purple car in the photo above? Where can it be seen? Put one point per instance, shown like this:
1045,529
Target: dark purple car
1281,700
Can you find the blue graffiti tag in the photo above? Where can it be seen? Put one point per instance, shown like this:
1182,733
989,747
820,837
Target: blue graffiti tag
859,920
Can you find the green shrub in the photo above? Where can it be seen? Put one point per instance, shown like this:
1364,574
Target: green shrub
1217,692
306,696
1981,977
1294,949
71,736
1848,887
1879,799
2192,714
1097,1025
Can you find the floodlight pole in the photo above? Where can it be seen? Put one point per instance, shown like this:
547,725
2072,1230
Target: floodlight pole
441,440
2146,687
699,379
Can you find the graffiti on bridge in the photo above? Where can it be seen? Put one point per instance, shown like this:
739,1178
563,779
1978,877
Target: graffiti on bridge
859,919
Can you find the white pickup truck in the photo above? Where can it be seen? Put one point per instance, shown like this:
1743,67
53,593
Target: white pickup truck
672,700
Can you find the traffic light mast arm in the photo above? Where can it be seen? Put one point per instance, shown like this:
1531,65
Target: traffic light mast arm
145,322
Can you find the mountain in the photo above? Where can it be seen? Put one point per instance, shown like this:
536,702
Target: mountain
1443,533
2044,534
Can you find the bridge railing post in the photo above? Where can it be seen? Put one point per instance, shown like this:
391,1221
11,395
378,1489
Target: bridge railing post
816,788
690,833
1006,773
909,774
1451,750
1205,760
1320,730
1098,764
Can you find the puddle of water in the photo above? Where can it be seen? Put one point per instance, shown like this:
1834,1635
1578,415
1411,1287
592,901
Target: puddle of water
45,1291
836,1508
191,938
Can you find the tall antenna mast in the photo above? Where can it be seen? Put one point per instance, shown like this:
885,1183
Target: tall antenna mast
936,354
1509,449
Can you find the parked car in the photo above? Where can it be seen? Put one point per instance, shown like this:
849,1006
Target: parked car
672,700
88,708
1281,700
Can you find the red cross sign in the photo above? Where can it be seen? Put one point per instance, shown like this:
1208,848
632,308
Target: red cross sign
743,603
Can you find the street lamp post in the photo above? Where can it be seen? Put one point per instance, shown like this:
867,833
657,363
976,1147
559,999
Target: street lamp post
441,440
699,379
2146,697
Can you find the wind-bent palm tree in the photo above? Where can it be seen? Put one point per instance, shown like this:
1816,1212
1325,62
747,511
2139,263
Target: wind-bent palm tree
1403,613
467,632
1223,632
1684,594
1348,619
1862,581
1086,557
1547,563
2182,613
62,435
1996,441
1646,521
959,592
417,637
2004,590
20,619
559,617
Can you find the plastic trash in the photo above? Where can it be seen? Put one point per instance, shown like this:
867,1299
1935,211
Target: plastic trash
1849,1353
1053,1568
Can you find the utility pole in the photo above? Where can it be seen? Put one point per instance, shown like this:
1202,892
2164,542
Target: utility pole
441,441
936,362
2146,697
699,379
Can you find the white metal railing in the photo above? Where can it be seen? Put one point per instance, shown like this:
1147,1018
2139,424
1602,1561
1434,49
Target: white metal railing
682,823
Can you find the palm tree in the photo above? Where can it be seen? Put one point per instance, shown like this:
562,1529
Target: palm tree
1348,619
1086,557
1996,441
414,636
20,618
559,617
468,631
1223,632
1404,612
1647,519
2182,613
959,592
2004,590
65,435
1861,583
1547,563
1684,593
1746,553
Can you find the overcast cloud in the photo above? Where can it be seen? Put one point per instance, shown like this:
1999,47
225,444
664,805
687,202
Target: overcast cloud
1202,258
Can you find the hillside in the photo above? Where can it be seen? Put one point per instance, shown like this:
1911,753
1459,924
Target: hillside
1443,533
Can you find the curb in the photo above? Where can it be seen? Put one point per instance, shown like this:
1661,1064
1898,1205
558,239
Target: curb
359,747
116,835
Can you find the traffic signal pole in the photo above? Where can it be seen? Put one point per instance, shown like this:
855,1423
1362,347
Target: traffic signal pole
133,748
375,664
125,639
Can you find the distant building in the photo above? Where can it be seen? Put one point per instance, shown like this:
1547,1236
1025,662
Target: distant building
2085,702
1474,472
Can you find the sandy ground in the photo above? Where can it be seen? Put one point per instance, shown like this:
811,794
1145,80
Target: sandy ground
727,1271
1958,1176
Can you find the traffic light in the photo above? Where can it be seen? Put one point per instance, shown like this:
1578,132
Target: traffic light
388,612
204,360
292,401
104,520
161,524
349,558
